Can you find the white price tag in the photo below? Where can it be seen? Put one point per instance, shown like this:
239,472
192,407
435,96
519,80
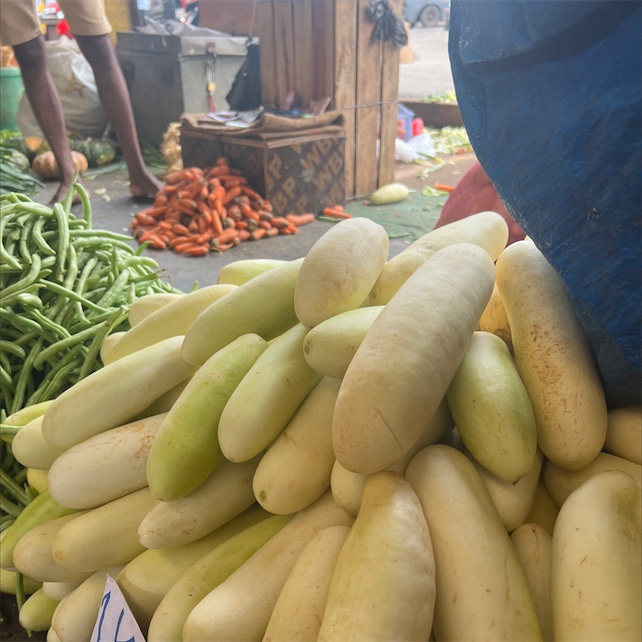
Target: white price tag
115,622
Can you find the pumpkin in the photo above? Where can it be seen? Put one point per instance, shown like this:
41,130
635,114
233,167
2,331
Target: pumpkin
45,164
98,152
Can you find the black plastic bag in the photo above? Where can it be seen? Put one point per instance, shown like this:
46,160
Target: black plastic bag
245,93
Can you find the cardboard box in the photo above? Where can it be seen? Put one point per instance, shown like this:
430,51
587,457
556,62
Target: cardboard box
295,173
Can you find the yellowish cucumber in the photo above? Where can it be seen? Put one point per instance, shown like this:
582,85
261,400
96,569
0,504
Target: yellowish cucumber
513,500
108,343
264,306
37,479
24,416
482,592
295,470
115,394
400,373
299,609
172,320
32,555
595,578
42,509
267,397
76,615
486,229
148,577
347,487
226,493
495,320
206,574
544,510
243,270
383,585
553,357
104,536
624,433
330,345
186,449
389,193
340,269
142,307
491,409
534,546
104,467
60,590
30,448
561,482
9,582
239,608
36,613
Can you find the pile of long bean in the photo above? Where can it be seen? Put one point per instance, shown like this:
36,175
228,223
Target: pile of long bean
64,287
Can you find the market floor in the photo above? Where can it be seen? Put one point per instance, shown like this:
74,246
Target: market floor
112,209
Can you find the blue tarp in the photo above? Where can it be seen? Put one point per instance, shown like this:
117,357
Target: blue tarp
550,93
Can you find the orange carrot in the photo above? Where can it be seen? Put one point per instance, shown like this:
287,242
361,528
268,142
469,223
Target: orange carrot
227,236
299,219
332,213
244,235
177,177
222,160
273,231
231,195
444,188
216,223
258,233
279,222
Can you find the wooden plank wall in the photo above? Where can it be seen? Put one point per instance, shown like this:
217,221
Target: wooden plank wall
324,48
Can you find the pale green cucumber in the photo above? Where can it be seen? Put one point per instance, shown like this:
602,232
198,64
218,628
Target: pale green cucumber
33,558
486,229
172,320
104,467
148,577
267,397
104,536
186,448
30,448
239,608
340,269
491,409
115,394
299,610
400,373
206,574
24,416
226,493
142,307
40,510
330,345
243,270
295,470
264,306
383,585
37,611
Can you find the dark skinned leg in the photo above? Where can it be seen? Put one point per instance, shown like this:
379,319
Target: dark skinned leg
46,106
99,52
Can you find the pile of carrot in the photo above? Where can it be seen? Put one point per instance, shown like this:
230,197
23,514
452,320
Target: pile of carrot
200,210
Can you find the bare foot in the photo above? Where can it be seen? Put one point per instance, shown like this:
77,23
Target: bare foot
145,186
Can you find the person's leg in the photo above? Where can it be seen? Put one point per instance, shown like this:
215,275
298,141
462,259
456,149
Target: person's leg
99,52
46,106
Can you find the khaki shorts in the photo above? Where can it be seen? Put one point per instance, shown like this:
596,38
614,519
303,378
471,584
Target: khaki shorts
19,21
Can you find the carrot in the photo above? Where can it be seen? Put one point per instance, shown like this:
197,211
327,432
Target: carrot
179,229
161,199
265,225
233,181
231,195
265,216
234,212
244,235
216,223
181,175
279,222
155,242
257,234
218,171
273,231
197,250
145,219
299,219
187,202
332,213
222,160
444,188
165,225
248,212
227,236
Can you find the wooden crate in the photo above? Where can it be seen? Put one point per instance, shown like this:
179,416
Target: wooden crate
324,48
296,174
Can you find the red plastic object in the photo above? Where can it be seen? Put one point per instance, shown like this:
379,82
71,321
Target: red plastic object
417,126
475,193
